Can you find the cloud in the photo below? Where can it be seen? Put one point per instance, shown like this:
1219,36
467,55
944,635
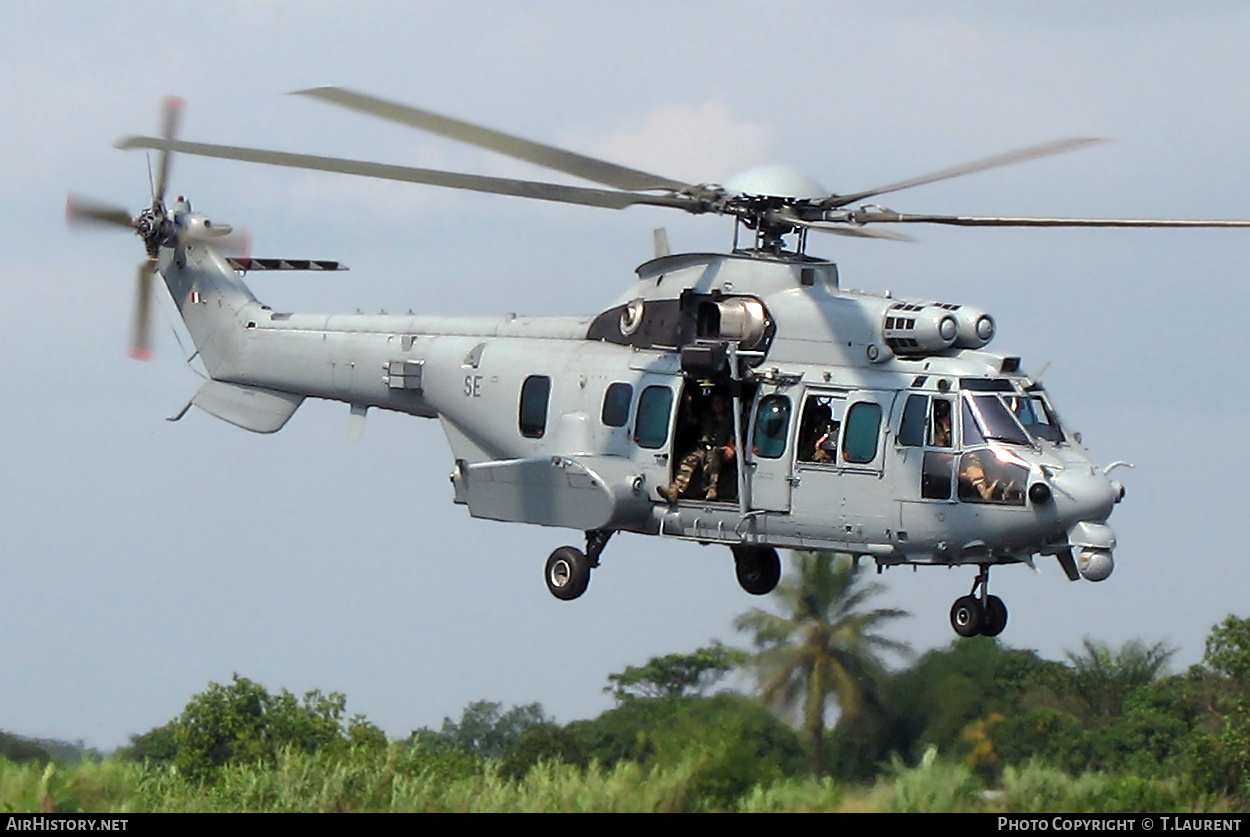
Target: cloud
700,143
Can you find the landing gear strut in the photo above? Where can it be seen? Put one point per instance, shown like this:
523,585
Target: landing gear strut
568,568
985,615
758,568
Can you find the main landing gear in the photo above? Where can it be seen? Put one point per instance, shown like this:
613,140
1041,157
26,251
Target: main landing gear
758,568
985,615
568,568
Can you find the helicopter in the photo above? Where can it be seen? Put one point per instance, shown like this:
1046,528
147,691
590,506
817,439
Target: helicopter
742,398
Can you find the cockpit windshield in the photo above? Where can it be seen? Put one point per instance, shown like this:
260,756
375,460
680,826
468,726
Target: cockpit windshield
1004,410
1036,416
993,419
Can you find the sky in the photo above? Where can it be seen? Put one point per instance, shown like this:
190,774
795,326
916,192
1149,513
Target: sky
143,559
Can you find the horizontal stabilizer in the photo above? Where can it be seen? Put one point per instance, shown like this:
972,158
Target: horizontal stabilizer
246,264
584,493
252,408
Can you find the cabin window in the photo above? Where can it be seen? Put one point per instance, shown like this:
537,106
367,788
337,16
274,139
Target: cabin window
616,404
863,428
818,429
654,408
772,426
535,393
911,431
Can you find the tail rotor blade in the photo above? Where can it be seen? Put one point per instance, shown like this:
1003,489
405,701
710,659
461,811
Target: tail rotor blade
170,117
141,325
86,212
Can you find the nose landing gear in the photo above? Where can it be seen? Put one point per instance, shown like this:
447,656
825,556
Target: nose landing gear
985,615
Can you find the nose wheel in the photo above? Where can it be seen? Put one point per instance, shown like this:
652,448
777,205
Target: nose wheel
967,616
983,615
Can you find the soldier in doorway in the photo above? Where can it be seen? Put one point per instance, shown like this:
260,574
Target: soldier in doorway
713,449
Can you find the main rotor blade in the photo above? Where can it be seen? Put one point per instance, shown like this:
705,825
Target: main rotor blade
141,324
855,232
84,211
787,215
890,217
968,168
587,168
170,116
432,177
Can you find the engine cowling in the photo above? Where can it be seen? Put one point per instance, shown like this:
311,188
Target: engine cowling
922,328
976,328
916,328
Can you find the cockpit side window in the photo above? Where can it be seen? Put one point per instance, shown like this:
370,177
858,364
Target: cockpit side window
984,478
935,479
911,430
940,430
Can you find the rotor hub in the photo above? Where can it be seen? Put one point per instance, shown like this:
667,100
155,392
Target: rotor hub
155,228
778,182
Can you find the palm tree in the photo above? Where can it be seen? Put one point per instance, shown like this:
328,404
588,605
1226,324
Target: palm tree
1103,677
822,648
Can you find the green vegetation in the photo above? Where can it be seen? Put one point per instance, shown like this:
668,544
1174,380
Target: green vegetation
821,648
676,675
975,726
243,724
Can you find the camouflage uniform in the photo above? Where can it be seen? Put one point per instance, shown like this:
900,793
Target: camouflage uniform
715,434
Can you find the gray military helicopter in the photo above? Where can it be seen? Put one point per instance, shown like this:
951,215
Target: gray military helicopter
741,398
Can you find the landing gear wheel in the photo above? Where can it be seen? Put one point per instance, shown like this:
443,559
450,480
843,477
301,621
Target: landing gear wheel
968,616
568,573
995,616
758,568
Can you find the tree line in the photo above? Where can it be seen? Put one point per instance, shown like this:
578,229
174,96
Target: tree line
825,707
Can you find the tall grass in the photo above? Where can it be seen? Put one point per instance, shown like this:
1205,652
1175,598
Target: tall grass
106,786
361,782
403,779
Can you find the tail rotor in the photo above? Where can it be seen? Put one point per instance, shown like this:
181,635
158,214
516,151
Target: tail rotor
155,225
